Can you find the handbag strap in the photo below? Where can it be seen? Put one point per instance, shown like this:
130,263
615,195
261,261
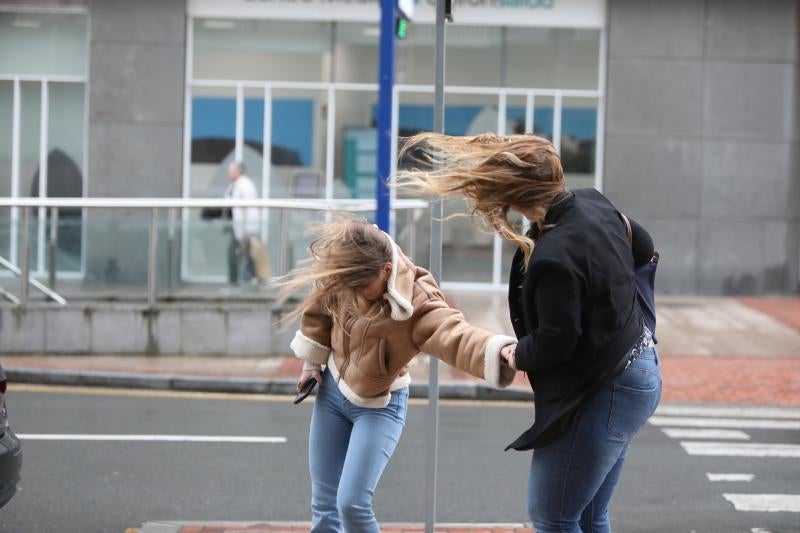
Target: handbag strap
628,228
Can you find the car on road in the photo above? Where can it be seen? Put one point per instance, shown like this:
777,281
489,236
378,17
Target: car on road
10,449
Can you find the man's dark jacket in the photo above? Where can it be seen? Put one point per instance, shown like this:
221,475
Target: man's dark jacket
574,310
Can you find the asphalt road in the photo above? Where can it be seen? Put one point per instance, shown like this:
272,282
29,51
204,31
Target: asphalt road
107,486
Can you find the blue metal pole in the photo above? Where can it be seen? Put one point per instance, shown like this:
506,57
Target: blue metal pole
385,86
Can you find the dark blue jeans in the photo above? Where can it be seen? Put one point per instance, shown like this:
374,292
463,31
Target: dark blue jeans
572,480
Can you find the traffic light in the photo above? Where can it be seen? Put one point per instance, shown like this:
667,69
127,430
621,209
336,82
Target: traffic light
401,30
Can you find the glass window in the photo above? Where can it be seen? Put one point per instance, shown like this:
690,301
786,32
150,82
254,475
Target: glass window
42,44
467,47
40,47
357,54
278,50
552,58
6,110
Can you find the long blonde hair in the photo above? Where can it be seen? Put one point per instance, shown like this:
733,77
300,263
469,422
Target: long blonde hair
494,172
345,254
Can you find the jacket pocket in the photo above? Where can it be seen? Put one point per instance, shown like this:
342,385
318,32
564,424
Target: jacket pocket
374,359
383,367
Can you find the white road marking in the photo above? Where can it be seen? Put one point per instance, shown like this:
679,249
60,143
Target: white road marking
153,438
729,477
741,423
683,433
768,503
745,412
740,449
759,530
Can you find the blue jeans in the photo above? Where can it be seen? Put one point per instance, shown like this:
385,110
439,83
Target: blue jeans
349,446
572,480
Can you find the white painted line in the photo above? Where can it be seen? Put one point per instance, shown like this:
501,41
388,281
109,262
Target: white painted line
766,503
730,477
741,423
728,411
154,438
689,433
759,530
741,449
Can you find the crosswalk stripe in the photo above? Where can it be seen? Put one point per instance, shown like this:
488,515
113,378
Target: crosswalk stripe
153,438
729,477
741,423
728,411
690,433
740,449
770,503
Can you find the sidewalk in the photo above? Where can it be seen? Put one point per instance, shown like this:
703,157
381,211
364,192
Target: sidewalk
713,350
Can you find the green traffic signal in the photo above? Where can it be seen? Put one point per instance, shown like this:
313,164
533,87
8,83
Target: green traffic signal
402,28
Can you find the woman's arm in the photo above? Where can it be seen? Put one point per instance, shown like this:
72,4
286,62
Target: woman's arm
557,297
312,342
442,332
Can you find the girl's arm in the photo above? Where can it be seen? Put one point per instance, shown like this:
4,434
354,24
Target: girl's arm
444,333
312,342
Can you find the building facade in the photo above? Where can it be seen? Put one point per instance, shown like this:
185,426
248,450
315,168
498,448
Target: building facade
683,113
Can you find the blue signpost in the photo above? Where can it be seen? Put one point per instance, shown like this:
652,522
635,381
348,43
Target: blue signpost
385,89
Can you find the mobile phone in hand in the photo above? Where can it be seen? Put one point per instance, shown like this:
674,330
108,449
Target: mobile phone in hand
305,391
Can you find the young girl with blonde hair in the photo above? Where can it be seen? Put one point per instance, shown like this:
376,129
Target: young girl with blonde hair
573,303
370,311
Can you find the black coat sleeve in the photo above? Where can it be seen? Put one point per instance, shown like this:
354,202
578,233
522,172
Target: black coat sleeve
642,245
557,295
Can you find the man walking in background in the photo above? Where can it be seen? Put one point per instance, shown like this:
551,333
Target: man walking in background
246,246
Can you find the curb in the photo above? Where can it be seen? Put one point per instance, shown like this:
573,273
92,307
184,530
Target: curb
283,387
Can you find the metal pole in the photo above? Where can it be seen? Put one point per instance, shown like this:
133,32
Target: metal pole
24,262
385,92
152,275
51,281
437,213
172,217
282,266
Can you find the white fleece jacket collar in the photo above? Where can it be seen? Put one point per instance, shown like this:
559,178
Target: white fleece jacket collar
400,304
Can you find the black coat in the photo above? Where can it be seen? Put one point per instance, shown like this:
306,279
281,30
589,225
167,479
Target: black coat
574,310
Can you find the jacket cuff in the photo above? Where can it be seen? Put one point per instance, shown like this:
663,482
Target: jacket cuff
495,371
308,365
309,349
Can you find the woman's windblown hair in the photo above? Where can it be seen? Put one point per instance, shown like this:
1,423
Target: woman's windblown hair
495,172
345,254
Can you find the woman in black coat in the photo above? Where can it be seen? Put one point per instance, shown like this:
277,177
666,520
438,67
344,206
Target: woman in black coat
589,357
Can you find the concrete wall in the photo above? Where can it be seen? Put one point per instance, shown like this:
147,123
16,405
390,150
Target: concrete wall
136,96
702,139
107,328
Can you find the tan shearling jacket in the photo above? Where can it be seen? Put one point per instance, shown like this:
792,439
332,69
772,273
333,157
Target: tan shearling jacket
366,357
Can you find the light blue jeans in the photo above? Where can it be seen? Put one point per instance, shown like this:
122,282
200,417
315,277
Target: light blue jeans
572,480
349,447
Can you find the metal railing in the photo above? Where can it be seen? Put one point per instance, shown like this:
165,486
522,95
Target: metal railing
155,206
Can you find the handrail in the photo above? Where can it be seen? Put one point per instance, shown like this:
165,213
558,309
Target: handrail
154,205
14,269
285,203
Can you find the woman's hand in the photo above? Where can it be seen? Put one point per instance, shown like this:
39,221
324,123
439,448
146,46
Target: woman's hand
307,375
508,353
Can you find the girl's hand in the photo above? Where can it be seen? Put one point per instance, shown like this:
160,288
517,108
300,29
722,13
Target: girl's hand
509,352
309,374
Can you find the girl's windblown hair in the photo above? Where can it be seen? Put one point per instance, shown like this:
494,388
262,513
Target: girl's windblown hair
495,172
346,253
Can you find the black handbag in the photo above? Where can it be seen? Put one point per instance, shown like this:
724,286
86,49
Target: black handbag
645,284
